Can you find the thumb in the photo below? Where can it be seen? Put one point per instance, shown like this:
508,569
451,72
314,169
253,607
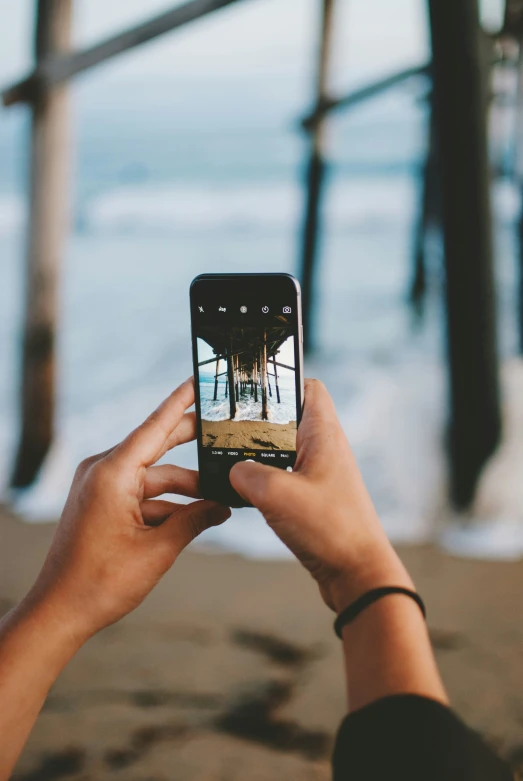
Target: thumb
261,485
184,525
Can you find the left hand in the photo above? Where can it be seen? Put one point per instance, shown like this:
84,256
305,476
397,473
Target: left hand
115,541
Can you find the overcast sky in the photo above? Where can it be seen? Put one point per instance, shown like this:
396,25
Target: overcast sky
253,38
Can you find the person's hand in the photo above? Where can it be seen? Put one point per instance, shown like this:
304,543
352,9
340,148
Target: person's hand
115,541
322,510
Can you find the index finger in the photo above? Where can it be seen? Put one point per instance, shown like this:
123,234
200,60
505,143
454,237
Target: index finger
146,444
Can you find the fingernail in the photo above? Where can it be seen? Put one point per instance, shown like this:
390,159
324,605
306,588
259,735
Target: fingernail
221,512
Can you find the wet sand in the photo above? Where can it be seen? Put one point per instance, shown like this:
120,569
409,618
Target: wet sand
254,434
230,670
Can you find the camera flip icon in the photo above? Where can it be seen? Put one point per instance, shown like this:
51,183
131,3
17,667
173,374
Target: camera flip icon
287,310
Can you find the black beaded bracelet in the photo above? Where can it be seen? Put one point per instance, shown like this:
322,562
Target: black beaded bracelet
353,610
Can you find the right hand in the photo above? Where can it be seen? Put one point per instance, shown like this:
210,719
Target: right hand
322,510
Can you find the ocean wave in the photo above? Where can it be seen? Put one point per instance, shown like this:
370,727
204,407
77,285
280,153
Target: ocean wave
246,408
349,205
263,206
358,203
12,214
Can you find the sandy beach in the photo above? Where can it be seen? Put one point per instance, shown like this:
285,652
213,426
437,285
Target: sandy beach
256,434
230,670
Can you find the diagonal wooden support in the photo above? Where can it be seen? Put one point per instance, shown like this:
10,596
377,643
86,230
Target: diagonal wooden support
57,67
363,94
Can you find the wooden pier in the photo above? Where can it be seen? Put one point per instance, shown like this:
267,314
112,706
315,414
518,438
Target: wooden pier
457,170
248,353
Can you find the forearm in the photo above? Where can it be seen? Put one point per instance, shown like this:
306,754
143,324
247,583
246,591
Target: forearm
387,648
35,645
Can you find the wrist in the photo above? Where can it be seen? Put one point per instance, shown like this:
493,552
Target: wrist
380,566
48,615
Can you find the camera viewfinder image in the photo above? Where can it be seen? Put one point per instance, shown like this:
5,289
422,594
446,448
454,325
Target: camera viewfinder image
247,387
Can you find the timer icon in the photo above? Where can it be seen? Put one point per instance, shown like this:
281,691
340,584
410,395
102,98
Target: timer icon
265,309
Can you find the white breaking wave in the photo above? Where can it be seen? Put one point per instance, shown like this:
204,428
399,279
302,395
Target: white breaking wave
247,409
12,214
349,205
493,528
274,206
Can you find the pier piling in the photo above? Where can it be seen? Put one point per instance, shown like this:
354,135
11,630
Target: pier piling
315,177
230,378
276,383
426,214
216,379
460,105
518,175
263,361
48,218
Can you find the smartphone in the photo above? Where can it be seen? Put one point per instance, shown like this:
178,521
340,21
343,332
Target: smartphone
247,339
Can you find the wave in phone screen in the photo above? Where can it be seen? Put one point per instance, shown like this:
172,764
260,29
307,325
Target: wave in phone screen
247,408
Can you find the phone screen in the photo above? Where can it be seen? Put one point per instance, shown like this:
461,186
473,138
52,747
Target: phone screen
247,349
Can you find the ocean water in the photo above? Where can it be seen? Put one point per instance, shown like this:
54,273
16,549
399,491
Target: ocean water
247,408
155,204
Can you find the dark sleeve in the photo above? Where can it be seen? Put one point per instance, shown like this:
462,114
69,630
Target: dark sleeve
412,738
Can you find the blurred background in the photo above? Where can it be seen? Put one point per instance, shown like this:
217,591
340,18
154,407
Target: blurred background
188,155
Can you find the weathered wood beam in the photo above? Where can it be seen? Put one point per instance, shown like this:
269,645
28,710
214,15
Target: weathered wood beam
278,397
264,379
428,212
363,94
230,382
211,360
54,69
518,175
282,365
48,222
513,22
235,353
315,176
216,380
459,70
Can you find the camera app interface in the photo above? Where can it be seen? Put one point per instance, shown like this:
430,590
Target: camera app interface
247,379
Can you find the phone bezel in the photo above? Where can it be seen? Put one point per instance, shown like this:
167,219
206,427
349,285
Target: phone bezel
255,281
